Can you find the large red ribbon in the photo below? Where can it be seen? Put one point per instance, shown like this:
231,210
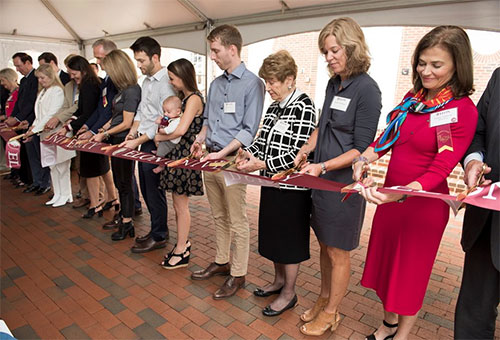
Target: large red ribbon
484,197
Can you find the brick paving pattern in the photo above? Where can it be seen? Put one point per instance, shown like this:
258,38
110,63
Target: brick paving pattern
62,277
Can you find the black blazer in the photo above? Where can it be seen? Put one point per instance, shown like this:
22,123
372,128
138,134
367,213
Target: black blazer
87,103
24,109
64,77
487,141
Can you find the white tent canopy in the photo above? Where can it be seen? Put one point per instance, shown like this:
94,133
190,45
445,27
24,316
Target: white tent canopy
184,24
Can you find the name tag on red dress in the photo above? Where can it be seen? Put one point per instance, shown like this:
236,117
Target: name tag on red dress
441,120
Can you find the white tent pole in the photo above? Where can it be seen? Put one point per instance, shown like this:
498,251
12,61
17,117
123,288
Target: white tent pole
63,22
193,9
208,63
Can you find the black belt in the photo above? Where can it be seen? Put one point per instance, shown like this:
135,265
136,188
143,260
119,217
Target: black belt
211,149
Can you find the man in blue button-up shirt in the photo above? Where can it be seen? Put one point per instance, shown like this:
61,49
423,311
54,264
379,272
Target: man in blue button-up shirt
232,116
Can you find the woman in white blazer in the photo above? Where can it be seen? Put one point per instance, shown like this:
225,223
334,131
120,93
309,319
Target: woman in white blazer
48,102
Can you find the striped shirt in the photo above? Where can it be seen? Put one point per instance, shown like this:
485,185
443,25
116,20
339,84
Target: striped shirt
287,125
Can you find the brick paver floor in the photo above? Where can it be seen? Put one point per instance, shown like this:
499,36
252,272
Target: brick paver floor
62,277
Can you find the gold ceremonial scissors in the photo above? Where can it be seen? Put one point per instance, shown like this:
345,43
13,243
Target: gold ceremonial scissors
465,193
290,171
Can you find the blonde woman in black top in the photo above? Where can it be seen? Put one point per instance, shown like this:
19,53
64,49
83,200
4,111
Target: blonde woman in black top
123,74
346,128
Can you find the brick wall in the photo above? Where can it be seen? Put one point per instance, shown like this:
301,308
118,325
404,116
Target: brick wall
304,49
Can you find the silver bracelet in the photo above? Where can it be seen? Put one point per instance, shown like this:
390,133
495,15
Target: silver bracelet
360,159
323,168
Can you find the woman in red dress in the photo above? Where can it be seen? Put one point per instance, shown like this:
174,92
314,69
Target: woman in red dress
405,236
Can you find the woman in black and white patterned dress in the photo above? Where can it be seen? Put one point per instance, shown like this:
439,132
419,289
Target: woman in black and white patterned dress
284,212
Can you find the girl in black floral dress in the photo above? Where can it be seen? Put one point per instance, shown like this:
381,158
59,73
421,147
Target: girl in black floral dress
183,183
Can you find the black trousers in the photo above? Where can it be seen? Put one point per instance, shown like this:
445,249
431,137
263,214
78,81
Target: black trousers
154,197
41,175
122,175
476,309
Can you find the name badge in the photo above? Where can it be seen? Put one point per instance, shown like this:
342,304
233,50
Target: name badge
230,107
449,116
104,91
340,103
281,126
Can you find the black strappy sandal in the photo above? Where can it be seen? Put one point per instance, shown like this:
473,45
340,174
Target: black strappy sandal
389,337
184,258
182,263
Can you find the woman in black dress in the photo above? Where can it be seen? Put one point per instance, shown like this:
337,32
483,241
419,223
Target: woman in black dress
92,165
346,128
183,183
123,74
284,212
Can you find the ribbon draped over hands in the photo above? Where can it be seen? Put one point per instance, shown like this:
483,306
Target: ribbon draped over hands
485,197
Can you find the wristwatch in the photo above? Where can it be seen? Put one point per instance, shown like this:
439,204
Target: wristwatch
402,199
323,168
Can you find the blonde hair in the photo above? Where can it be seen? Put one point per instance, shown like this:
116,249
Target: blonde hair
279,65
9,75
120,69
351,38
47,70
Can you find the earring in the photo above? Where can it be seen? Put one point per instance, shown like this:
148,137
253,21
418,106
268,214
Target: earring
290,87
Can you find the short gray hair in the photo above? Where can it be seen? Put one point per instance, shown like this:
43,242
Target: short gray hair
106,44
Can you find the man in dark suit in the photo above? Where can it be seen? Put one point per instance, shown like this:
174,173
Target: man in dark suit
50,58
24,109
476,309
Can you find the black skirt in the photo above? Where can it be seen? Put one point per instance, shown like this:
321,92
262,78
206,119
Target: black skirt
93,165
284,225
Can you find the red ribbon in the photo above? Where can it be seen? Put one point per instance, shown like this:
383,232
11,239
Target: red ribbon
485,197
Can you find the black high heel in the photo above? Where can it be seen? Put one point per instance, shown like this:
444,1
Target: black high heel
92,211
124,230
388,325
113,203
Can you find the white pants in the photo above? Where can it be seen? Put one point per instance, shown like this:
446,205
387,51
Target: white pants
61,179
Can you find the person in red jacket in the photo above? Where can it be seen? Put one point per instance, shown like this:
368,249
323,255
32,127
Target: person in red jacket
406,234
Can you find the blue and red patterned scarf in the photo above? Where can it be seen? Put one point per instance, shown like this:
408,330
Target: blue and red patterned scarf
397,116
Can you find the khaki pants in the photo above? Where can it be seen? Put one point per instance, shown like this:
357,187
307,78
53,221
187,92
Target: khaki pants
228,204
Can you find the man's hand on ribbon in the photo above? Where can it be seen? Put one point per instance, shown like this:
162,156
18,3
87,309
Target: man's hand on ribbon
474,174
131,143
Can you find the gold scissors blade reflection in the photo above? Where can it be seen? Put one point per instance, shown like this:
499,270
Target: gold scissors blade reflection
288,172
463,195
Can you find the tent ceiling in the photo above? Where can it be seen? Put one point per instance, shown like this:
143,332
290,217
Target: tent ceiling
182,23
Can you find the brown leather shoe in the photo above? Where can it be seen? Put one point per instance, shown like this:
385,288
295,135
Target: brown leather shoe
143,238
230,287
81,202
148,245
212,270
114,223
